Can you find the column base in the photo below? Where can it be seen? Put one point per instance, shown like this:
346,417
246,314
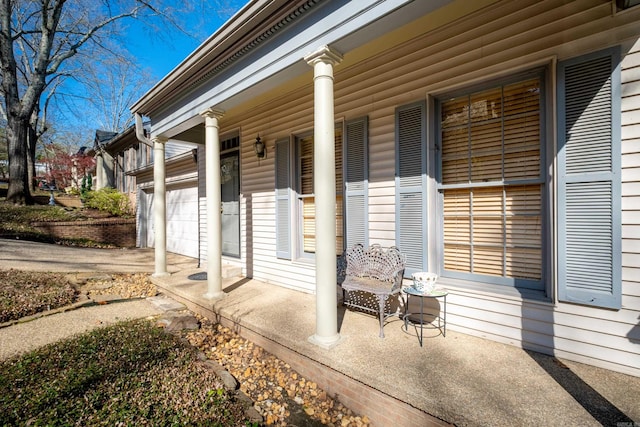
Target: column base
214,295
161,274
325,342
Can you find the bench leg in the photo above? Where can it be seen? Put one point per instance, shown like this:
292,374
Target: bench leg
381,300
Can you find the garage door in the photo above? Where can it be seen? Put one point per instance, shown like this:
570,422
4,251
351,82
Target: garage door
182,220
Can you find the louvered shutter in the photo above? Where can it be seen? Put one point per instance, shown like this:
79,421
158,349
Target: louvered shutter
589,183
283,199
411,211
356,182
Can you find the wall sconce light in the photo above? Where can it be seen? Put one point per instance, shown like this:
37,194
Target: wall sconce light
260,147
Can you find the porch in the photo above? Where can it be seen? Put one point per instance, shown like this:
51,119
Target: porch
460,379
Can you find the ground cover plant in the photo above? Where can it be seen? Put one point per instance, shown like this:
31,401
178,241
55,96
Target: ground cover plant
24,293
130,373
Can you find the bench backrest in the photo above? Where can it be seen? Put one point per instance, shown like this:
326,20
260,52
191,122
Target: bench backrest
375,262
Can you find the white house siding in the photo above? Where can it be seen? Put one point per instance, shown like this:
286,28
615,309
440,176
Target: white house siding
202,203
514,36
473,51
630,327
293,115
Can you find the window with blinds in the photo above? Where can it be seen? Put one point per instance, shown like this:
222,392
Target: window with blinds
306,195
491,184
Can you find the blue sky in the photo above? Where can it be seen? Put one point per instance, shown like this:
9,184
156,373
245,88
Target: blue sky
158,49
161,52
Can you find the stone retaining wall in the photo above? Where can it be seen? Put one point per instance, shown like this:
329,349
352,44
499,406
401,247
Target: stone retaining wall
115,231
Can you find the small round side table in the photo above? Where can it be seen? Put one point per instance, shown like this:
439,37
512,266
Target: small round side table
442,320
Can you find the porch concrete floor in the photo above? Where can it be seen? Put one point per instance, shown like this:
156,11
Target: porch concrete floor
460,379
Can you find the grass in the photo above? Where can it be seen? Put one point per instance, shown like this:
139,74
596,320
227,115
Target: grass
131,373
25,293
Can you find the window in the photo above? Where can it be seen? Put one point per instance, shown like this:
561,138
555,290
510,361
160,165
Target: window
627,4
491,184
305,173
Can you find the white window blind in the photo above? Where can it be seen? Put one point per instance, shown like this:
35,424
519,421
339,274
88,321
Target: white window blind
491,182
308,208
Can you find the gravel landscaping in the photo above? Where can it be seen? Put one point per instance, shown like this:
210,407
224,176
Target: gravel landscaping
279,392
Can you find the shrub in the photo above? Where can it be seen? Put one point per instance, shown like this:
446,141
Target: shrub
85,188
108,200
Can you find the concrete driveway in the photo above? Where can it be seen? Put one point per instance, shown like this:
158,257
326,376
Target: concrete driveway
33,256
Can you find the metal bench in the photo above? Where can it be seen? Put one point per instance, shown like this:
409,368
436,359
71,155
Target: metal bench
375,271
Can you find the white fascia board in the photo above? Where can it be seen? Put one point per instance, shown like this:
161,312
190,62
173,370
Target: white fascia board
281,58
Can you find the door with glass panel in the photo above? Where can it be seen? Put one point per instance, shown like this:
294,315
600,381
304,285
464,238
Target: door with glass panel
230,189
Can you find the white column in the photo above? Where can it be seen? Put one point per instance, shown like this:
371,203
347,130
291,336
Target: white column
324,182
214,203
99,172
159,207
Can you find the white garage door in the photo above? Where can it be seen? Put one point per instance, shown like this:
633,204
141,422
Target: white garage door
182,220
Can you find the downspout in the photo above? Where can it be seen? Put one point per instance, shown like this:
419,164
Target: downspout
140,131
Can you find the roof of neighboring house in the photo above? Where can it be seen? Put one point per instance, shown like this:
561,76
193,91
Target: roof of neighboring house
113,142
102,136
121,141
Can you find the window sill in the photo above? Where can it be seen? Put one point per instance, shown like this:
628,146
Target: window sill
493,291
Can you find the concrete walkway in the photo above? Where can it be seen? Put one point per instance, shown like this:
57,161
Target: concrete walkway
26,336
459,379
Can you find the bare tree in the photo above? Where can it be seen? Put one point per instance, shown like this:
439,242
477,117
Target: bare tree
107,89
37,40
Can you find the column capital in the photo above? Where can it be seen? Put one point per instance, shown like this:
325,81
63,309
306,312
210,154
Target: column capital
211,112
324,54
159,139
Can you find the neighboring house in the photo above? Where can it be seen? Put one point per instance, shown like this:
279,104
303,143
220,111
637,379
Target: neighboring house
496,143
104,159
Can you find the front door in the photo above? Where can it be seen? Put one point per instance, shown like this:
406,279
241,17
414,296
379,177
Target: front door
230,189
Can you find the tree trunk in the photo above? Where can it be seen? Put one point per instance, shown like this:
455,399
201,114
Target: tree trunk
18,177
32,141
